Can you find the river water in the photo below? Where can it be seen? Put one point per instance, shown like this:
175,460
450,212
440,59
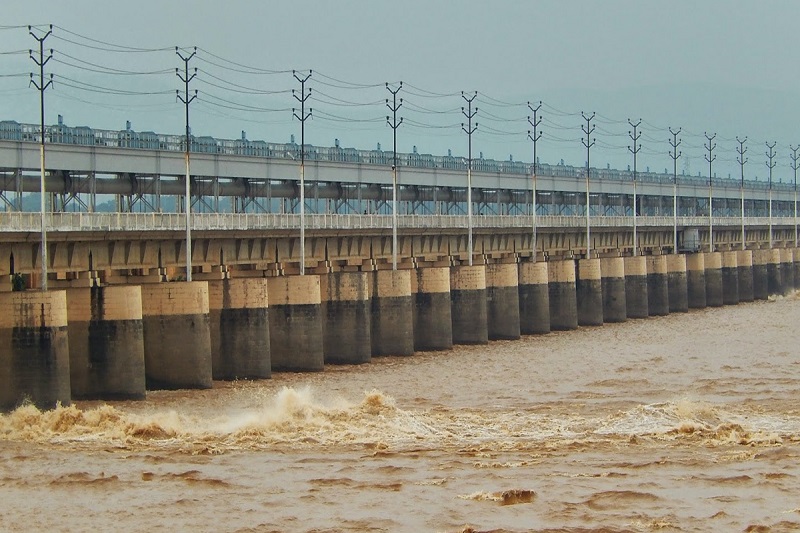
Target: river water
681,423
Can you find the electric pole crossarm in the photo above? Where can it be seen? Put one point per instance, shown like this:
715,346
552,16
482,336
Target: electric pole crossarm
741,159
302,118
709,146
469,129
187,99
588,142
674,142
635,135
534,137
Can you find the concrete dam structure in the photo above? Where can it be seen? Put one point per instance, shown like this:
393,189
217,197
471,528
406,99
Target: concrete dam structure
117,341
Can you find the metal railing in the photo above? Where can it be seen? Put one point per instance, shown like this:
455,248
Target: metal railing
14,222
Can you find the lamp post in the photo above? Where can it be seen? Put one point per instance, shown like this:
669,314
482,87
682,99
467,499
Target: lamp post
302,117
741,150
588,129
675,154
42,86
534,137
469,113
634,135
186,99
394,124
710,145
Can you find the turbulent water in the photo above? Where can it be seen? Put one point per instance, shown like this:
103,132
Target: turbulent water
681,423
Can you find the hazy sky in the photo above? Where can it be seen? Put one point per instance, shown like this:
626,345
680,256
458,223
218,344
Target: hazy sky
706,66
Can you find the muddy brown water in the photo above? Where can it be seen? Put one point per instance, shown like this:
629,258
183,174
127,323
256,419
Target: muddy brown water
689,422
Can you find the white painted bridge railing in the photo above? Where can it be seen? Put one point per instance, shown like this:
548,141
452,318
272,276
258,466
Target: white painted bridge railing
104,222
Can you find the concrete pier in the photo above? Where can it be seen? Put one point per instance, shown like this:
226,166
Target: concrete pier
760,284
744,267
787,270
796,256
433,323
696,280
295,323
345,307
774,282
677,283
657,285
730,278
534,298
34,363
392,321
589,291
636,293
502,301
106,343
612,282
239,319
713,274
177,335
562,295
468,304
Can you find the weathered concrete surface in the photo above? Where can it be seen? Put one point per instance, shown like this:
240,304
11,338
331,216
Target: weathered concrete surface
392,320
760,283
730,278
589,291
696,280
612,282
562,295
713,274
534,298
468,304
295,323
433,322
677,283
346,321
636,292
502,301
744,268
657,285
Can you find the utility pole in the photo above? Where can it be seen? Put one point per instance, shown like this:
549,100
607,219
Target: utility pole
634,135
42,86
588,142
675,154
770,165
794,167
469,113
394,124
741,150
302,117
186,99
710,145
534,136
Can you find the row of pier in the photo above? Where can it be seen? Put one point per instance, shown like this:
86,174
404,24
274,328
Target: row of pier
118,341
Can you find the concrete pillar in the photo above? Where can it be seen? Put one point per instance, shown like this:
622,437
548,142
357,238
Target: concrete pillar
730,278
433,323
760,284
636,294
796,258
295,323
502,301
657,285
677,283
774,283
239,322
712,263
177,335
589,292
562,295
534,298
345,308
392,321
744,267
34,360
696,280
106,343
612,282
787,270
468,304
